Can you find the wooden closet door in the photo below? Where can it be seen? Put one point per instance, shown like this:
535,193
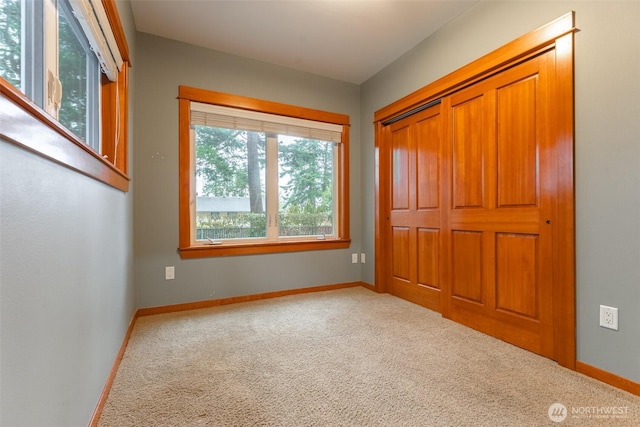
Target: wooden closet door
500,199
415,186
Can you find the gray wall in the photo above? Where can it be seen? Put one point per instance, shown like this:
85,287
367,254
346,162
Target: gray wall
66,286
607,149
165,65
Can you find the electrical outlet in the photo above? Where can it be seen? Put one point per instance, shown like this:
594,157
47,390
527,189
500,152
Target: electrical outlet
354,258
609,317
362,259
169,273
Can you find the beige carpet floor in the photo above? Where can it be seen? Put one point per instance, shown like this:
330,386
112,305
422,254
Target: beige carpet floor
348,357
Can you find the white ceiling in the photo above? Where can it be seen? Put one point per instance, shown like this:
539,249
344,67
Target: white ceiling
349,40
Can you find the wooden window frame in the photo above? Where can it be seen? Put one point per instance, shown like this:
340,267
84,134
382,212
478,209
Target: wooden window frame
27,125
187,184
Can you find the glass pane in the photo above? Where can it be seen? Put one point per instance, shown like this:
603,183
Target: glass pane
230,184
10,41
306,187
77,67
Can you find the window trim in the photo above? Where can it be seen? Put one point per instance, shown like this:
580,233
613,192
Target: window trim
186,95
29,126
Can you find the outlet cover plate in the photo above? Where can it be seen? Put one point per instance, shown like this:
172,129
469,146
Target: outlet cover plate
609,317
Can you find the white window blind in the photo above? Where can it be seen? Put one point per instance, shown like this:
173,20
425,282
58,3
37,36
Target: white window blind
95,24
232,118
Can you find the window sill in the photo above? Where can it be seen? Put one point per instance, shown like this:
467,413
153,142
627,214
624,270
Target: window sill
26,125
207,251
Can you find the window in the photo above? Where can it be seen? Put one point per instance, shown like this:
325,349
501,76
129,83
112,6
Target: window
260,177
64,62
11,30
79,73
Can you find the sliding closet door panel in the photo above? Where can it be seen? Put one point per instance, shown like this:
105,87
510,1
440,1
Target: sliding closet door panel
500,150
415,207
